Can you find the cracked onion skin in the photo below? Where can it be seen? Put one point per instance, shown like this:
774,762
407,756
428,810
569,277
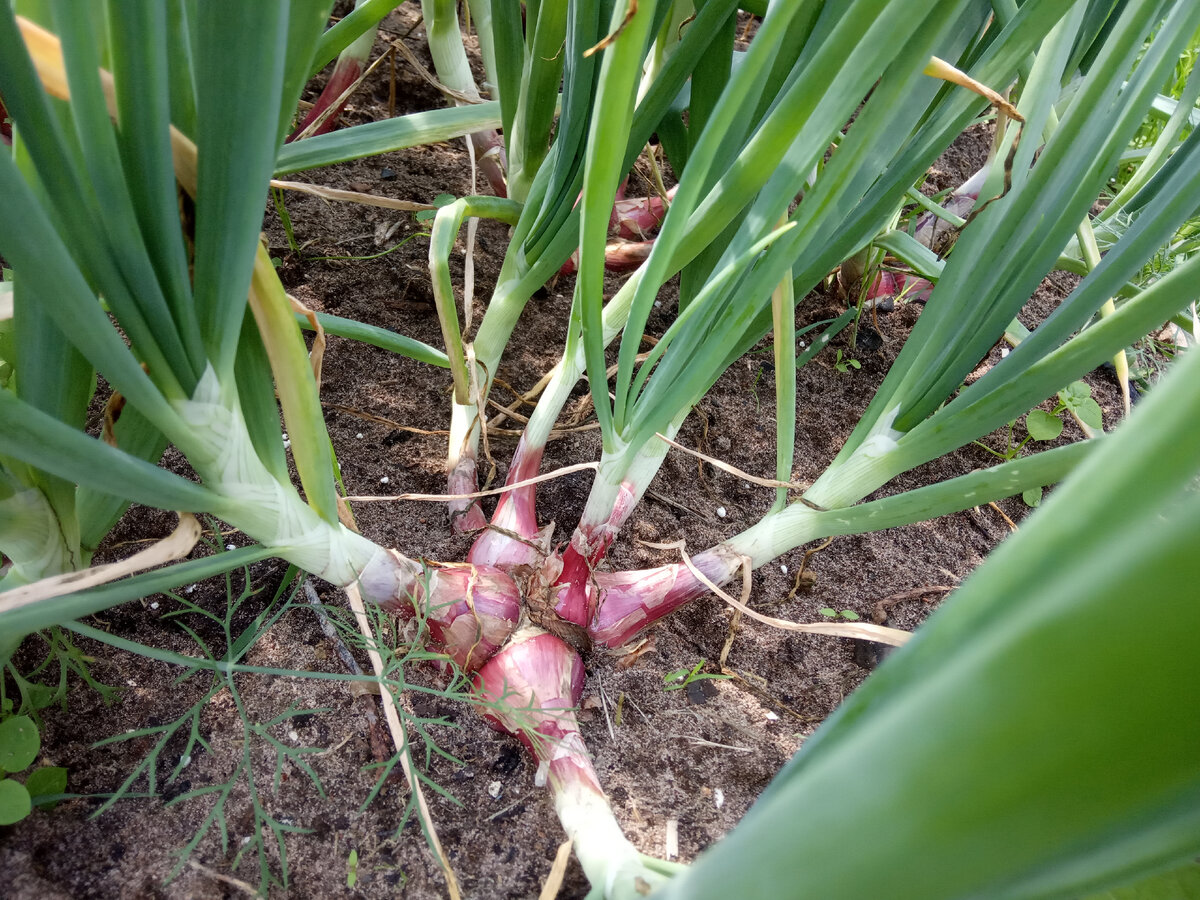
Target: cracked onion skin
471,610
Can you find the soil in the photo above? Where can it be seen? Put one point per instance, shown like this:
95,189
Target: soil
697,757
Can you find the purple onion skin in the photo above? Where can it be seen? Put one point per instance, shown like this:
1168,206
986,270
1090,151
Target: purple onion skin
532,687
466,516
630,602
895,284
470,610
516,514
577,595
345,73
489,155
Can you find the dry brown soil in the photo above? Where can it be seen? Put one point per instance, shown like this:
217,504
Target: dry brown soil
697,756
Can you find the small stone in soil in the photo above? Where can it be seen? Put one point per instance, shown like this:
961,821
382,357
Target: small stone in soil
869,654
699,692
387,175
395,437
493,790
508,761
868,339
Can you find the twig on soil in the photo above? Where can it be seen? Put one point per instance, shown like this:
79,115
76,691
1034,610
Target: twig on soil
1012,526
733,625
808,555
879,616
441,498
744,678
400,739
734,470
510,413
392,83
343,652
522,399
557,434
860,630
557,871
344,196
525,399
507,809
242,886
412,60
663,498
729,638
371,417
362,698
604,704
701,742
633,703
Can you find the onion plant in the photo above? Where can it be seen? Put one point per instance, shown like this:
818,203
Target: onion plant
795,154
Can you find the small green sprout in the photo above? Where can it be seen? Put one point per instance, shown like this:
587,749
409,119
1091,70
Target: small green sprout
352,869
1041,425
754,388
831,613
1075,398
845,365
426,215
681,678
19,746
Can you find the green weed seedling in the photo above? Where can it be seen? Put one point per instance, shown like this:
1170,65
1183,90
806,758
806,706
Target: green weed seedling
831,613
681,678
1040,425
286,220
1076,398
267,747
46,683
426,215
844,365
19,746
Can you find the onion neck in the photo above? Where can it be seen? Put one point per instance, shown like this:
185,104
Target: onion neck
461,470
216,441
513,539
621,482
